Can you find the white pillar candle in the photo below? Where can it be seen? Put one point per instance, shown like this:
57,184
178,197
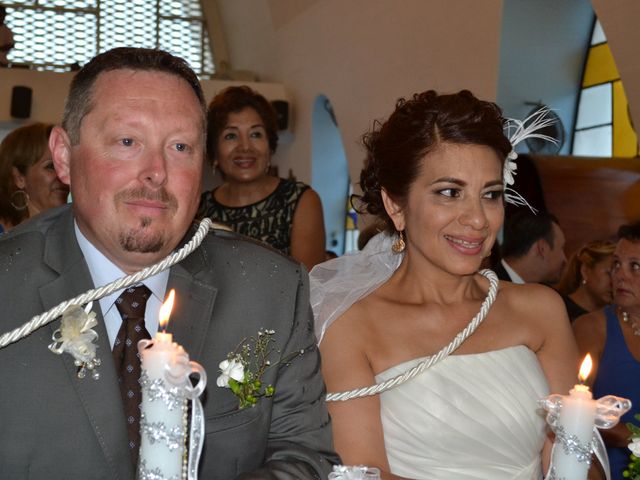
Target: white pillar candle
574,433
164,406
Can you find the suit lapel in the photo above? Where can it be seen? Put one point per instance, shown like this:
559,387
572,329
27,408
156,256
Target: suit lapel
100,398
195,296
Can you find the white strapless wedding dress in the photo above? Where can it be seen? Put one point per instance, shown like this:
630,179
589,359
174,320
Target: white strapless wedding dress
469,417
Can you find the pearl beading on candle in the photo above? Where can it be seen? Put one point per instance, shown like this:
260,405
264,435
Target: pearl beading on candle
552,475
196,438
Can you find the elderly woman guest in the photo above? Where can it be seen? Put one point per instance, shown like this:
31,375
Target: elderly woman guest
28,181
586,283
285,214
612,336
434,174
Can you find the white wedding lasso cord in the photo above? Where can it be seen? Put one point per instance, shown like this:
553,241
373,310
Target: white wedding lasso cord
429,362
124,282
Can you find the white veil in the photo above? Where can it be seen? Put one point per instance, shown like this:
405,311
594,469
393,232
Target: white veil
341,282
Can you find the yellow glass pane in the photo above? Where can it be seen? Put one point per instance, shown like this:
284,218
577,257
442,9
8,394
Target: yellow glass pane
625,140
349,223
600,66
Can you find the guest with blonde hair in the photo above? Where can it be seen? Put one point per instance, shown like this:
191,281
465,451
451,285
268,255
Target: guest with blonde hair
586,283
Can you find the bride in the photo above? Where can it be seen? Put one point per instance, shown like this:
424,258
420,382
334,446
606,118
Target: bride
434,174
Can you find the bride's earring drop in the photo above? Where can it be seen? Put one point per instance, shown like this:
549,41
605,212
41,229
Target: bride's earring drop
399,245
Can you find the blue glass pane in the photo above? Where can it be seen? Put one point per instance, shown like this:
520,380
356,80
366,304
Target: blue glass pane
594,142
598,34
595,106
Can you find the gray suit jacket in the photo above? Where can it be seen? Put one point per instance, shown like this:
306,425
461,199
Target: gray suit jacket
56,426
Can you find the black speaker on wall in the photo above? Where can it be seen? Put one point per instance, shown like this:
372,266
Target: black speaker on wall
21,102
282,112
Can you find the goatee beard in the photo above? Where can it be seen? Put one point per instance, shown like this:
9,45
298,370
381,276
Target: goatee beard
135,240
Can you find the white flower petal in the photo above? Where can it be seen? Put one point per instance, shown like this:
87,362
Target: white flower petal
237,371
223,381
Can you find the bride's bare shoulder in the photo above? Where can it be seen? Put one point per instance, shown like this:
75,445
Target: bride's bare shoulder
528,293
531,300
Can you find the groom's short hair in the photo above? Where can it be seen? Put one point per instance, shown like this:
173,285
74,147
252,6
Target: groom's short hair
80,99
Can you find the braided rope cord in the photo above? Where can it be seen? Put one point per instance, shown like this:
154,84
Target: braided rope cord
430,361
124,282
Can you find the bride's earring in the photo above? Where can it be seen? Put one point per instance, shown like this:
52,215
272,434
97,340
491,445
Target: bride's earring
399,245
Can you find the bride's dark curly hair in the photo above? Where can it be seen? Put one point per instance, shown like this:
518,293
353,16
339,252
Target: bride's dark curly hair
396,148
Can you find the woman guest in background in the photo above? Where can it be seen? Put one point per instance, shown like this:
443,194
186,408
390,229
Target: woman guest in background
28,181
586,283
612,336
434,173
242,137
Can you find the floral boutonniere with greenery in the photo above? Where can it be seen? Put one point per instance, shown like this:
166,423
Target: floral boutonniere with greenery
243,369
633,470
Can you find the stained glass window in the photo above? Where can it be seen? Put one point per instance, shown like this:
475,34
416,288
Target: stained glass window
603,125
63,34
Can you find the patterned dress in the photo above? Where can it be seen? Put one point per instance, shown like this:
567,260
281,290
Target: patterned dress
268,220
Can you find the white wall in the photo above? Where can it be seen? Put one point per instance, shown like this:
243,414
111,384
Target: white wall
363,55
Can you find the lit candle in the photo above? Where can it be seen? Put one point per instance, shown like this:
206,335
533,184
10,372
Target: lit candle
164,405
574,432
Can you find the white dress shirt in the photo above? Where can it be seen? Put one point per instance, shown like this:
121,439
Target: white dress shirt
515,278
103,271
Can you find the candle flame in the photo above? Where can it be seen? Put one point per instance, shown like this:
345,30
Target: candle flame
585,368
165,309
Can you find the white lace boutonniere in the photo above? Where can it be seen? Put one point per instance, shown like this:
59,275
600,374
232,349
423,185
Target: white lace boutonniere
77,338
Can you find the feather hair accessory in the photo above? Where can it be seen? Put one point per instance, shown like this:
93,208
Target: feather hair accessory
517,131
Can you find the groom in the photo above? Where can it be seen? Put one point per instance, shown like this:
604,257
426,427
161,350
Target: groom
131,147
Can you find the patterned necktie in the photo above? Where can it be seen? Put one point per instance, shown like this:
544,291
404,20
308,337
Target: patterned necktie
131,305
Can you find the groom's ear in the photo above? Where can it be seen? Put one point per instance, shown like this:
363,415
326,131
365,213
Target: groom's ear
60,147
394,210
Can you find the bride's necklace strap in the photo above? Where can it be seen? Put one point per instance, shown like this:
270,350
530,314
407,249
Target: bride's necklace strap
430,361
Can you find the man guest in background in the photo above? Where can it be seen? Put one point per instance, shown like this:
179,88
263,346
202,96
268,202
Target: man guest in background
532,249
131,147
